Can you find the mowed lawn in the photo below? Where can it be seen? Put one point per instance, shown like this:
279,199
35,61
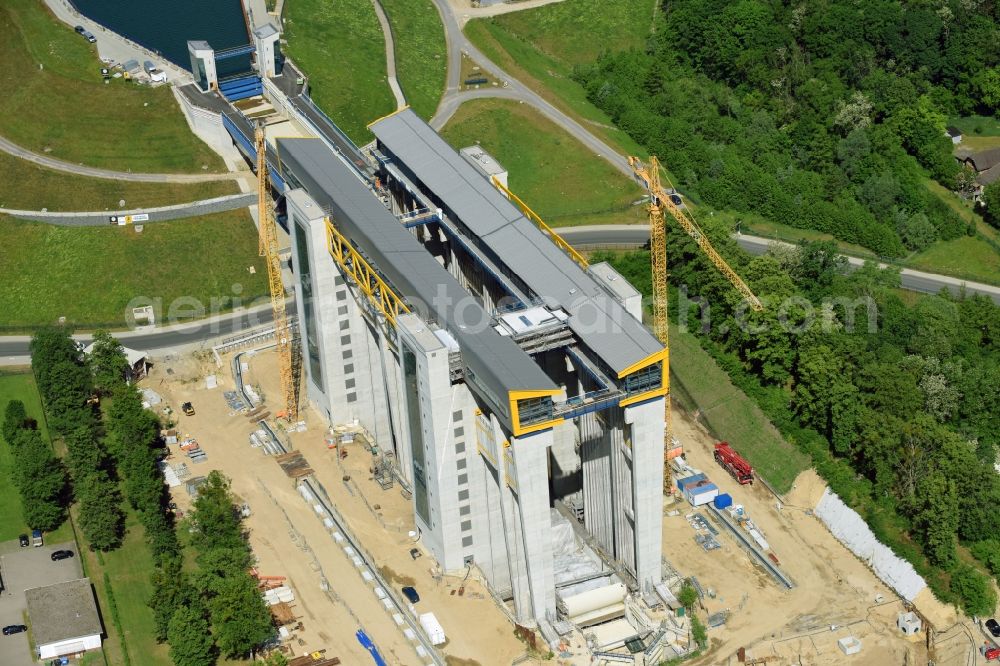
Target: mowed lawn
20,386
340,47
730,414
967,257
27,186
90,275
541,46
128,570
547,168
54,101
421,59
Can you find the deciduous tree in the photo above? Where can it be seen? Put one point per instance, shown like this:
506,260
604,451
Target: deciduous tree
190,639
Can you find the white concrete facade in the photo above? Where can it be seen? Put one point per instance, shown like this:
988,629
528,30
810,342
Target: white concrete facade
348,377
481,495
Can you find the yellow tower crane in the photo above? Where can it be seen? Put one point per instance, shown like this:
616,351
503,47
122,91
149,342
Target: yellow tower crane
269,250
660,201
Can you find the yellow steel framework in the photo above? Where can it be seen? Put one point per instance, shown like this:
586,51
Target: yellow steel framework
546,229
269,250
659,201
379,293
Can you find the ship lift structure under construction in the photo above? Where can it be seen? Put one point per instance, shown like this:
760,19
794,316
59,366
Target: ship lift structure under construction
513,382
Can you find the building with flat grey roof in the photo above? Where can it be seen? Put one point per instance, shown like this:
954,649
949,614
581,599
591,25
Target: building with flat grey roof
64,619
512,384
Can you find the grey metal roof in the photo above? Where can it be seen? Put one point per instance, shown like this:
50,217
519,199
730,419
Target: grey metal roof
428,288
63,611
599,321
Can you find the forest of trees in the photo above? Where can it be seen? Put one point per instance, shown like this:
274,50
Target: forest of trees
113,445
830,115
825,115
900,417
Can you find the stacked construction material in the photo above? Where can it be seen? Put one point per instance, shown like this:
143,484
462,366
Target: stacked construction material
278,595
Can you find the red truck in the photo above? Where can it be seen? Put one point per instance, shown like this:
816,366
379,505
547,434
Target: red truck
734,463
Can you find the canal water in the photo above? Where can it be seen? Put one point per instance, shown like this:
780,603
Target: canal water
166,27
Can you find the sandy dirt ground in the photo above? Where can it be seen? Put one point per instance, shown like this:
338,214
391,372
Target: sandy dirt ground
289,539
834,595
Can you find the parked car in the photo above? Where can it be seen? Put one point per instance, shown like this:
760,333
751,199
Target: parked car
86,34
411,594
14,629
994,627
23,541
36,538
61,555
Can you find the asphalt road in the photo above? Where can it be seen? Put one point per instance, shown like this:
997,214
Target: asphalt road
14,349
635,236
612,235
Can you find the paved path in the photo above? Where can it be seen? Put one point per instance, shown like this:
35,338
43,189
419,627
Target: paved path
156,214
14,348
96,172
512,89
113,47
390,55
609,235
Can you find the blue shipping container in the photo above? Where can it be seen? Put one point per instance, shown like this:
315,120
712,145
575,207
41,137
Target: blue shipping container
722,501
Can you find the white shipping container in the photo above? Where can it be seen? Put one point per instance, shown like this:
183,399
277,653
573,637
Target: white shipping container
432,628
701,495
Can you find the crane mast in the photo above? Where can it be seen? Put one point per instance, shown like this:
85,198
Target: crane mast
660,202
268,244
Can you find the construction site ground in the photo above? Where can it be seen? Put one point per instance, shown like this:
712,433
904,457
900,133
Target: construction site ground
289,539
834,595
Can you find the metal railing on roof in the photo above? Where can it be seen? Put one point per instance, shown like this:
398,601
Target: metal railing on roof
546,229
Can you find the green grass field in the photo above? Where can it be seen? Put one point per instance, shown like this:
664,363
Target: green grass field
128,569
89,275
578,32
27,186
21,386
421,59
550,170
55,102
976,126
729,414
340,46
541,46
967,257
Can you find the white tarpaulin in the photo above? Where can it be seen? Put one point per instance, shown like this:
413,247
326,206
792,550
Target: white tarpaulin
851,530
